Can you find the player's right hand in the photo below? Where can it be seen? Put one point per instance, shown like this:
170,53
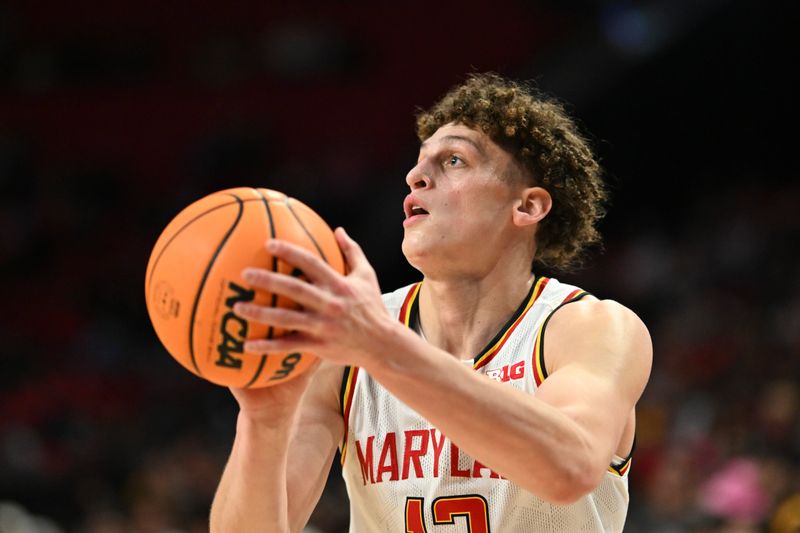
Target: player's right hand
277,404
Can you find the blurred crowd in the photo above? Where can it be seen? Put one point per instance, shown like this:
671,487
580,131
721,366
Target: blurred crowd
102,432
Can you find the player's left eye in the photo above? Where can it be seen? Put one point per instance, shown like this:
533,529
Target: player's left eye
453,160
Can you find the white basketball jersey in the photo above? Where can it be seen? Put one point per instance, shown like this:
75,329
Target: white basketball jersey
404,476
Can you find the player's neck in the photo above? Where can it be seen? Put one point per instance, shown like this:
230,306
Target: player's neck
462,314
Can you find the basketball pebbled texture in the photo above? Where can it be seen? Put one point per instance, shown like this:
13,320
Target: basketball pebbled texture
193,279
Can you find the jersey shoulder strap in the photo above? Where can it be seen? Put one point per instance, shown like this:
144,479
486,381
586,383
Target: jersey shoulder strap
558,295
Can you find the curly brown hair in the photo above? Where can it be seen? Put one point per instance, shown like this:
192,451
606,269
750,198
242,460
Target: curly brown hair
537,131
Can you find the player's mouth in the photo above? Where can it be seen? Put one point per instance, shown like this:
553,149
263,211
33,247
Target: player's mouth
414,210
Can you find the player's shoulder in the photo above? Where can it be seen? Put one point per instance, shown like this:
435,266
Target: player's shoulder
602,334
600,322
591,310
576,310
584,306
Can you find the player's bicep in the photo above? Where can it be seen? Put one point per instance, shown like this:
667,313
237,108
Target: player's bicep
597,376
591,401
317,434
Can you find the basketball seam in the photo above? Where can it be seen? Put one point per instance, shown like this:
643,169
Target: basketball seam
270,331
313,240
205,277
174,236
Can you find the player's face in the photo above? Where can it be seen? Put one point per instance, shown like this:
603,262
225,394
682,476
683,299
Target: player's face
458,214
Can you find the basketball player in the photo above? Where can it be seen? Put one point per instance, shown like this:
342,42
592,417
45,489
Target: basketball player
487,396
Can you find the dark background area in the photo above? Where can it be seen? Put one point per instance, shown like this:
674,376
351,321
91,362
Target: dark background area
115,116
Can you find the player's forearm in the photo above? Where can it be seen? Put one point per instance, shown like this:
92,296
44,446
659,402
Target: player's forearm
517,436
306,480
252,494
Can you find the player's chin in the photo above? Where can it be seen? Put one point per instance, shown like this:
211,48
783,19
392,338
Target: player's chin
412,248
420,253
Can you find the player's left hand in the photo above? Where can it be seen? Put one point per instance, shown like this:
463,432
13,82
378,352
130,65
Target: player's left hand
343,318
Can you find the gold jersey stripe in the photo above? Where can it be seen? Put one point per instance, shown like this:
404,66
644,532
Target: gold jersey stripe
489,353
539,368
622,469
347,403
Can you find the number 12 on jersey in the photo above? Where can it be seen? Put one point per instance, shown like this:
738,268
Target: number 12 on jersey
445,510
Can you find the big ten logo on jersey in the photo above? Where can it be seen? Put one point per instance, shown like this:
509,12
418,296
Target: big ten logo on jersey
508,372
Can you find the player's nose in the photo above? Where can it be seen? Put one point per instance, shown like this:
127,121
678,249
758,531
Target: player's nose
418,178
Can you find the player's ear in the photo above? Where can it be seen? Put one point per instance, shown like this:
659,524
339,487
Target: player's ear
532,206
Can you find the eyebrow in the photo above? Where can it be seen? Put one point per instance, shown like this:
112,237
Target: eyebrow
456,138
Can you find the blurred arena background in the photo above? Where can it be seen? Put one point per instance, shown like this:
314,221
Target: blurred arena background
115,115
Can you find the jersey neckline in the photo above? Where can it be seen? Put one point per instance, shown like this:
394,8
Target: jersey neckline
409,316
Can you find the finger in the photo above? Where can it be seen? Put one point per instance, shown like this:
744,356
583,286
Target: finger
353,254
294,342
276,316
295,289
317,270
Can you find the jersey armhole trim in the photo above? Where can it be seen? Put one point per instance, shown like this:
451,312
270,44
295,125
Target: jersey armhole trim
622,468
349,377
539,368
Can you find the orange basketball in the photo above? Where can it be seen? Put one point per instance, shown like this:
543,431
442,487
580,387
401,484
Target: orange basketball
194,278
